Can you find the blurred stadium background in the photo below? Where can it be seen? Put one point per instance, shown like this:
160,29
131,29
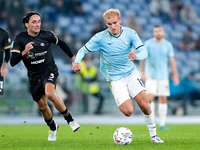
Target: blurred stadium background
75,21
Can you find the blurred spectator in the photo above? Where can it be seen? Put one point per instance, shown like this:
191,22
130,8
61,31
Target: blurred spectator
74,7
87,83
175,7
17,8
160,8
3,13
133,24
96,28
59,7
187,90
197,43
188,15
187,42
13,27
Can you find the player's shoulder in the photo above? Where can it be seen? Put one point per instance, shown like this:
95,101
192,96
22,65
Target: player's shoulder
150,40
167,41
22,35
3,32
46,32
128,30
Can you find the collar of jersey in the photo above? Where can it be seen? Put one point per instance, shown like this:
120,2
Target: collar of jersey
116,36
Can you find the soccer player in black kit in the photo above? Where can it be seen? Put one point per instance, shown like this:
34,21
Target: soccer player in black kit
5,45
33,47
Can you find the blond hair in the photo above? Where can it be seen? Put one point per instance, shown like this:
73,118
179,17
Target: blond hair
109,12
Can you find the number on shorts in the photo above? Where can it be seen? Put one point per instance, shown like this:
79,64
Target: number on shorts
51,76
142,84
1,84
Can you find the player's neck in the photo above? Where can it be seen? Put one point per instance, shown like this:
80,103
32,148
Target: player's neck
159,40
33,34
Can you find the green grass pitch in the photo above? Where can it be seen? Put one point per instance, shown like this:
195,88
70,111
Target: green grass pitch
96,137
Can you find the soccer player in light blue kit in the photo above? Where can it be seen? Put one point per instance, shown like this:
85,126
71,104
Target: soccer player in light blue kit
117,68
155,72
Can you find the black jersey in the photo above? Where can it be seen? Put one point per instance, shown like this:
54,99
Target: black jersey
5,43
39,60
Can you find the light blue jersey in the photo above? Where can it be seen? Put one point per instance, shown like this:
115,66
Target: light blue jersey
114,62
156,65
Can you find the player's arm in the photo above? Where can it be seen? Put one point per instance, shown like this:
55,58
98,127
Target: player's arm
174,70
142,66
66,49
81,53
17,55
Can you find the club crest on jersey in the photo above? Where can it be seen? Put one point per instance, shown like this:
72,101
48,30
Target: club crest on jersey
125,41
30,55
41,44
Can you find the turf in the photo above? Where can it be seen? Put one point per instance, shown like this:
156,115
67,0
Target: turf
93,137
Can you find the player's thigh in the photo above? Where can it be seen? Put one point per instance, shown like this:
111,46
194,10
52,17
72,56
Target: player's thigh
151,86
135,84
163,88
119,91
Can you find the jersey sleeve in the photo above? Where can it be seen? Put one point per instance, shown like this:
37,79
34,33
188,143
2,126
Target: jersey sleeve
171,50
16,45
7,41
53,37
135,40
93,43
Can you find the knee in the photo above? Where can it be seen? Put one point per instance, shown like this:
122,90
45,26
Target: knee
50,95
42,109
128,112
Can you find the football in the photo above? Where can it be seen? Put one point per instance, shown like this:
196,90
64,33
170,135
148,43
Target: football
123,136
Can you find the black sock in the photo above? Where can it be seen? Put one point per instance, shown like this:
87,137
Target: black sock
66,114
51,124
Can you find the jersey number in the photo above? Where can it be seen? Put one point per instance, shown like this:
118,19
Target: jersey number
51,76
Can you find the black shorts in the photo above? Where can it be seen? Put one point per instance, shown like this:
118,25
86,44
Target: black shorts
37,85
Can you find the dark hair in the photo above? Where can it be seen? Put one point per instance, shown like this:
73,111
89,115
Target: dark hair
28,15
157,26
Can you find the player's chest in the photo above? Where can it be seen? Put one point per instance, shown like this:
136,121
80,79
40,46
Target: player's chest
39,44
116,45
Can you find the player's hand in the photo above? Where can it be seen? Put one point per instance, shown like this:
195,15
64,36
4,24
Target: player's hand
175,79
28,47
76,67
73,59
132,56
4,70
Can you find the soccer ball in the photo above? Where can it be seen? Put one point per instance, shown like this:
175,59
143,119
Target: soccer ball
123,136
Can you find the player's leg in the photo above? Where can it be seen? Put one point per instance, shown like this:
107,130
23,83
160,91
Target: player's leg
137,91
151,90
142,101
163,92
127,107
121,96
162,111
46,113
60,106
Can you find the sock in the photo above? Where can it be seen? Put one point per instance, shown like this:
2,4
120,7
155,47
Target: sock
51,124
151,124
162,111
152,106
66,114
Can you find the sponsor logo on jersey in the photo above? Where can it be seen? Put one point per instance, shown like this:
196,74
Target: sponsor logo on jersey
37,62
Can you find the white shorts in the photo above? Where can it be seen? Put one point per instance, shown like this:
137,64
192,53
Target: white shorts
157,87
130,85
